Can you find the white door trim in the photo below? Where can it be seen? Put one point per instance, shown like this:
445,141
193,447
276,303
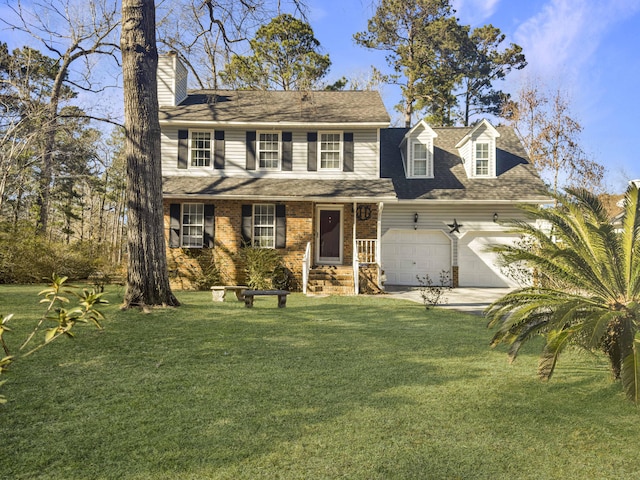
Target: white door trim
329,260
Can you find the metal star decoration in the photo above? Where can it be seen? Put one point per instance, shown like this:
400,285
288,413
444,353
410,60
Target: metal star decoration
455,226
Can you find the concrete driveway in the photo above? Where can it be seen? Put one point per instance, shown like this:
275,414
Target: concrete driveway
468,300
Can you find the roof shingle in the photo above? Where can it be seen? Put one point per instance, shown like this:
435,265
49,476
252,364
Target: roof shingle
258,106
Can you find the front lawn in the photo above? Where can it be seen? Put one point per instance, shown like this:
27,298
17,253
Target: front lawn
339,387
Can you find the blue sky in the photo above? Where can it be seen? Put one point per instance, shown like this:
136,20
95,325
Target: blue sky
589,49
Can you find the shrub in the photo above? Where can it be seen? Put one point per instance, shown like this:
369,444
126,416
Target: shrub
433,295
34,259
264,268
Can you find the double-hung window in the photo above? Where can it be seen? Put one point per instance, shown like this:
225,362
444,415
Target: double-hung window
264,225
481,159
268,150
420,160
330,150
192,225
201,148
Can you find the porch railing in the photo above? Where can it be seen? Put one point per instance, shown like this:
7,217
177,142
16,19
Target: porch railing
306,266
366,251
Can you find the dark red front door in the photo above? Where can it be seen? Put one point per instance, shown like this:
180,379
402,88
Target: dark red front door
330,235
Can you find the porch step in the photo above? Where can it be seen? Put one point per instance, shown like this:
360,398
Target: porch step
331,280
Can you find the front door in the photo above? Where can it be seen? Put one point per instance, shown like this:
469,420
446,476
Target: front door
329,235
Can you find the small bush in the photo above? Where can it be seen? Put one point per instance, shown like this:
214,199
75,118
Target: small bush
264,268
434,295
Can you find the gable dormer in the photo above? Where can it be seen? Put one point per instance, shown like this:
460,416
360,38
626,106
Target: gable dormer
416,149
478,151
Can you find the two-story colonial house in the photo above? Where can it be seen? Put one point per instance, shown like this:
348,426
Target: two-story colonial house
320,177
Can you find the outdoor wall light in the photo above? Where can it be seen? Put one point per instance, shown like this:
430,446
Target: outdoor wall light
495,217
415,221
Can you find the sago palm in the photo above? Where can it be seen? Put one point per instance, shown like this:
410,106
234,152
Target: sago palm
587,288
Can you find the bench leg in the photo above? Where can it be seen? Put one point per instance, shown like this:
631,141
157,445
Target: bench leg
239,295
218,295
248,301
282,301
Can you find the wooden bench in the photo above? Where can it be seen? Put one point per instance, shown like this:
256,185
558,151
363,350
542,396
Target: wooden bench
219,292
281,294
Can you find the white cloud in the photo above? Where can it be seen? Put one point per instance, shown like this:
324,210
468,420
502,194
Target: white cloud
562,38
475,11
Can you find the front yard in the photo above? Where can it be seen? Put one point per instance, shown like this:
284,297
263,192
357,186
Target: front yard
338,387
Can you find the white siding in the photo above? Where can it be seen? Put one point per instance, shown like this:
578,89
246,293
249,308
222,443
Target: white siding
366,156
166,80
467,158
172,80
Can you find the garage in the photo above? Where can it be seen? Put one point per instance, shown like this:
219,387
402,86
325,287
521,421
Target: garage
407,254
478,267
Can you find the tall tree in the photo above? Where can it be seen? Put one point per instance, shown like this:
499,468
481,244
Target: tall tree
589,286
484,62
551,136
147,274
437,62
285,56
72,33
409,32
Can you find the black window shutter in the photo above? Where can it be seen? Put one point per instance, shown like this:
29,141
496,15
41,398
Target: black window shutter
287,151
251,150
218,149
347,164
209,226
281,227
312,151
247,223
183,148
174,225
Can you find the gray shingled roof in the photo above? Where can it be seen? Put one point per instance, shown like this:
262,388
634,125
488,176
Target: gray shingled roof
516,179
251,106
282,189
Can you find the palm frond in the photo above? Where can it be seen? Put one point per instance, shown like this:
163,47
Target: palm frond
630,240
557,341
536,324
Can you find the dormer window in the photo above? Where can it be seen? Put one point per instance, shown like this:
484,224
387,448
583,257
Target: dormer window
478,150
268,150
416,149
481,159
421,164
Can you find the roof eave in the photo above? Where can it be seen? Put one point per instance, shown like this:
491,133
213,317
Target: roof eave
340,125
278,198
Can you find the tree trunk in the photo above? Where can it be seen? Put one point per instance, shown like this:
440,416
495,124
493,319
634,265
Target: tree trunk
147,275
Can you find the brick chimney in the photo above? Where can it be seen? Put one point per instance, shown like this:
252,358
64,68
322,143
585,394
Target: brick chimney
172,80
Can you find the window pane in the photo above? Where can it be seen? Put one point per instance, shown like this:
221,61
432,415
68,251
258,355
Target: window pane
264,226
192,224
330,150
269,150
200,149
420,160
482,159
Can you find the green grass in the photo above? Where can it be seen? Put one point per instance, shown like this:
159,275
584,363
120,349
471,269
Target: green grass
353,388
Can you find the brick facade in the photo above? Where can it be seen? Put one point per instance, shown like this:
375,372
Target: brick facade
188,266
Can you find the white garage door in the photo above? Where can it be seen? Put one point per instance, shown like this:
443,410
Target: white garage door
478,267
409,253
